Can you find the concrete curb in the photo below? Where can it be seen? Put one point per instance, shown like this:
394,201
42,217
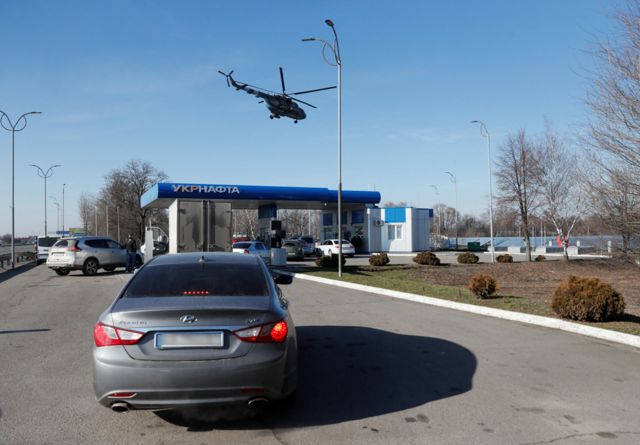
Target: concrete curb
537,320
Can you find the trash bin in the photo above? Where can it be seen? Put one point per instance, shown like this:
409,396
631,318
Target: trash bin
474,246
278,256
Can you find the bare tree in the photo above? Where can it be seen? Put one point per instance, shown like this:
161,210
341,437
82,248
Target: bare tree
86,205
297,222
613,129
122,192
558,180
246,222
612,197
395,204
516,173
614,98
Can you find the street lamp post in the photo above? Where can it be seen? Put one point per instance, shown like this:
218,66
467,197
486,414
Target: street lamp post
106,208
335,49
455,185
44,175
118,215
63,186
13,128
439,221
485,133
96,211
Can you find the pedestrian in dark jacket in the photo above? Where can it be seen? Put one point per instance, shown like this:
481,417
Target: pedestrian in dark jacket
132,247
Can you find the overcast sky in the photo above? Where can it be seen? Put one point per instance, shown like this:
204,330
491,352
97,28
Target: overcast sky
122,80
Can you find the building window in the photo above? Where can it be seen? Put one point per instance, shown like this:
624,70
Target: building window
394,231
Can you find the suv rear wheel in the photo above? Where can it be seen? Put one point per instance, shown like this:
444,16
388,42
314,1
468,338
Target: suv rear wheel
62,272
90,267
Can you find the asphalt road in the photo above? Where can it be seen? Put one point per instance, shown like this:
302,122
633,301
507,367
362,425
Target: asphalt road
372,370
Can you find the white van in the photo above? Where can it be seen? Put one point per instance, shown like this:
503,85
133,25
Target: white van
43,243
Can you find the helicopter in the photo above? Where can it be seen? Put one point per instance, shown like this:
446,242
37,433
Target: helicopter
279,104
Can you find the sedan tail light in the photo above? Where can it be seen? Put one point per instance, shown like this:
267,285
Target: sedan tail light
264,333
104,335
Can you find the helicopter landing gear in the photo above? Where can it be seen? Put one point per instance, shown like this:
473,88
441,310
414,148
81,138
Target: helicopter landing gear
271,116
295,122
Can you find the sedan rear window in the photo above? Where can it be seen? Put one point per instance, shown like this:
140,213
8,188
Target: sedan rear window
210,279
241,245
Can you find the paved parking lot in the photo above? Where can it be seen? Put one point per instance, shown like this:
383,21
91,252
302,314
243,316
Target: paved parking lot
372,370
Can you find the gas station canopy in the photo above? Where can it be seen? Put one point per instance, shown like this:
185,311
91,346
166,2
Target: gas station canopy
254,196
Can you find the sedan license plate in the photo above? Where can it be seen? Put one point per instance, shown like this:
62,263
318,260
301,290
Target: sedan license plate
189,340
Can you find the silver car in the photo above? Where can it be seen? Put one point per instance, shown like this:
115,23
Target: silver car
196,329
88,254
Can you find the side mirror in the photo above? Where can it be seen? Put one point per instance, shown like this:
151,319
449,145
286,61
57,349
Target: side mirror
283,279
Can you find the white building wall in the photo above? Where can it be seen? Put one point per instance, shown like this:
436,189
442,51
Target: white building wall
173,227
374,232
421,228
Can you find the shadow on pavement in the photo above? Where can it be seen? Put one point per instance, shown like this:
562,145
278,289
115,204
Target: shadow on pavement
24,331
20,269
348,373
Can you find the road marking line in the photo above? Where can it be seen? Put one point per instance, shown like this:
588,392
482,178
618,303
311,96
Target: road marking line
537,320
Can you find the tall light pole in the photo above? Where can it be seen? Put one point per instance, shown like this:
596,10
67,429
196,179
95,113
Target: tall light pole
335,50
63,186
485,133
13,128
44,175
455,184
118,215
96,211
106,207
439,222
57,204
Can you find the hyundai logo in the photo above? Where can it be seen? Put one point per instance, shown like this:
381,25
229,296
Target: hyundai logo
188,319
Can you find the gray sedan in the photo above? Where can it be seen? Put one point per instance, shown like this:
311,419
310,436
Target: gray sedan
196,329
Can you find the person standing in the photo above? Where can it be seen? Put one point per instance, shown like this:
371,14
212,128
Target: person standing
132,247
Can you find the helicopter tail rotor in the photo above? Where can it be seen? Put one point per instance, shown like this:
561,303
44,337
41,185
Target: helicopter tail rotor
227,76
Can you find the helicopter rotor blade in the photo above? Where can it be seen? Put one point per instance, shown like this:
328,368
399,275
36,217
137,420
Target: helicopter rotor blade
303,102
313,91
282,80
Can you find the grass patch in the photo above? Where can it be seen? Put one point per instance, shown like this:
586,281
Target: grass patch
408,279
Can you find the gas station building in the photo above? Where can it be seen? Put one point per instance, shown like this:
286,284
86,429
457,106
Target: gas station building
201,215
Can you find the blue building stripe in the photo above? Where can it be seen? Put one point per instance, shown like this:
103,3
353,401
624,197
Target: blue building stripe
395,215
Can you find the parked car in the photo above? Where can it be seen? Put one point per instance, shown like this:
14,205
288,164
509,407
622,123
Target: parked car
193,329
294,249
43,244
88,254
309,245
255,247
331,247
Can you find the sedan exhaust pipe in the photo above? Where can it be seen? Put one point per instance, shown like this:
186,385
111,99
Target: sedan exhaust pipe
257,402
120,407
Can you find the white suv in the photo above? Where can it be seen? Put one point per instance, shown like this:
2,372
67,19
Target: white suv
89,254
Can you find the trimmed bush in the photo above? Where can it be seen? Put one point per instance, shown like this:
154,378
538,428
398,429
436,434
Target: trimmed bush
483,285
586,299
540,258
468,258
329,261
427,258
381,259
505,258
